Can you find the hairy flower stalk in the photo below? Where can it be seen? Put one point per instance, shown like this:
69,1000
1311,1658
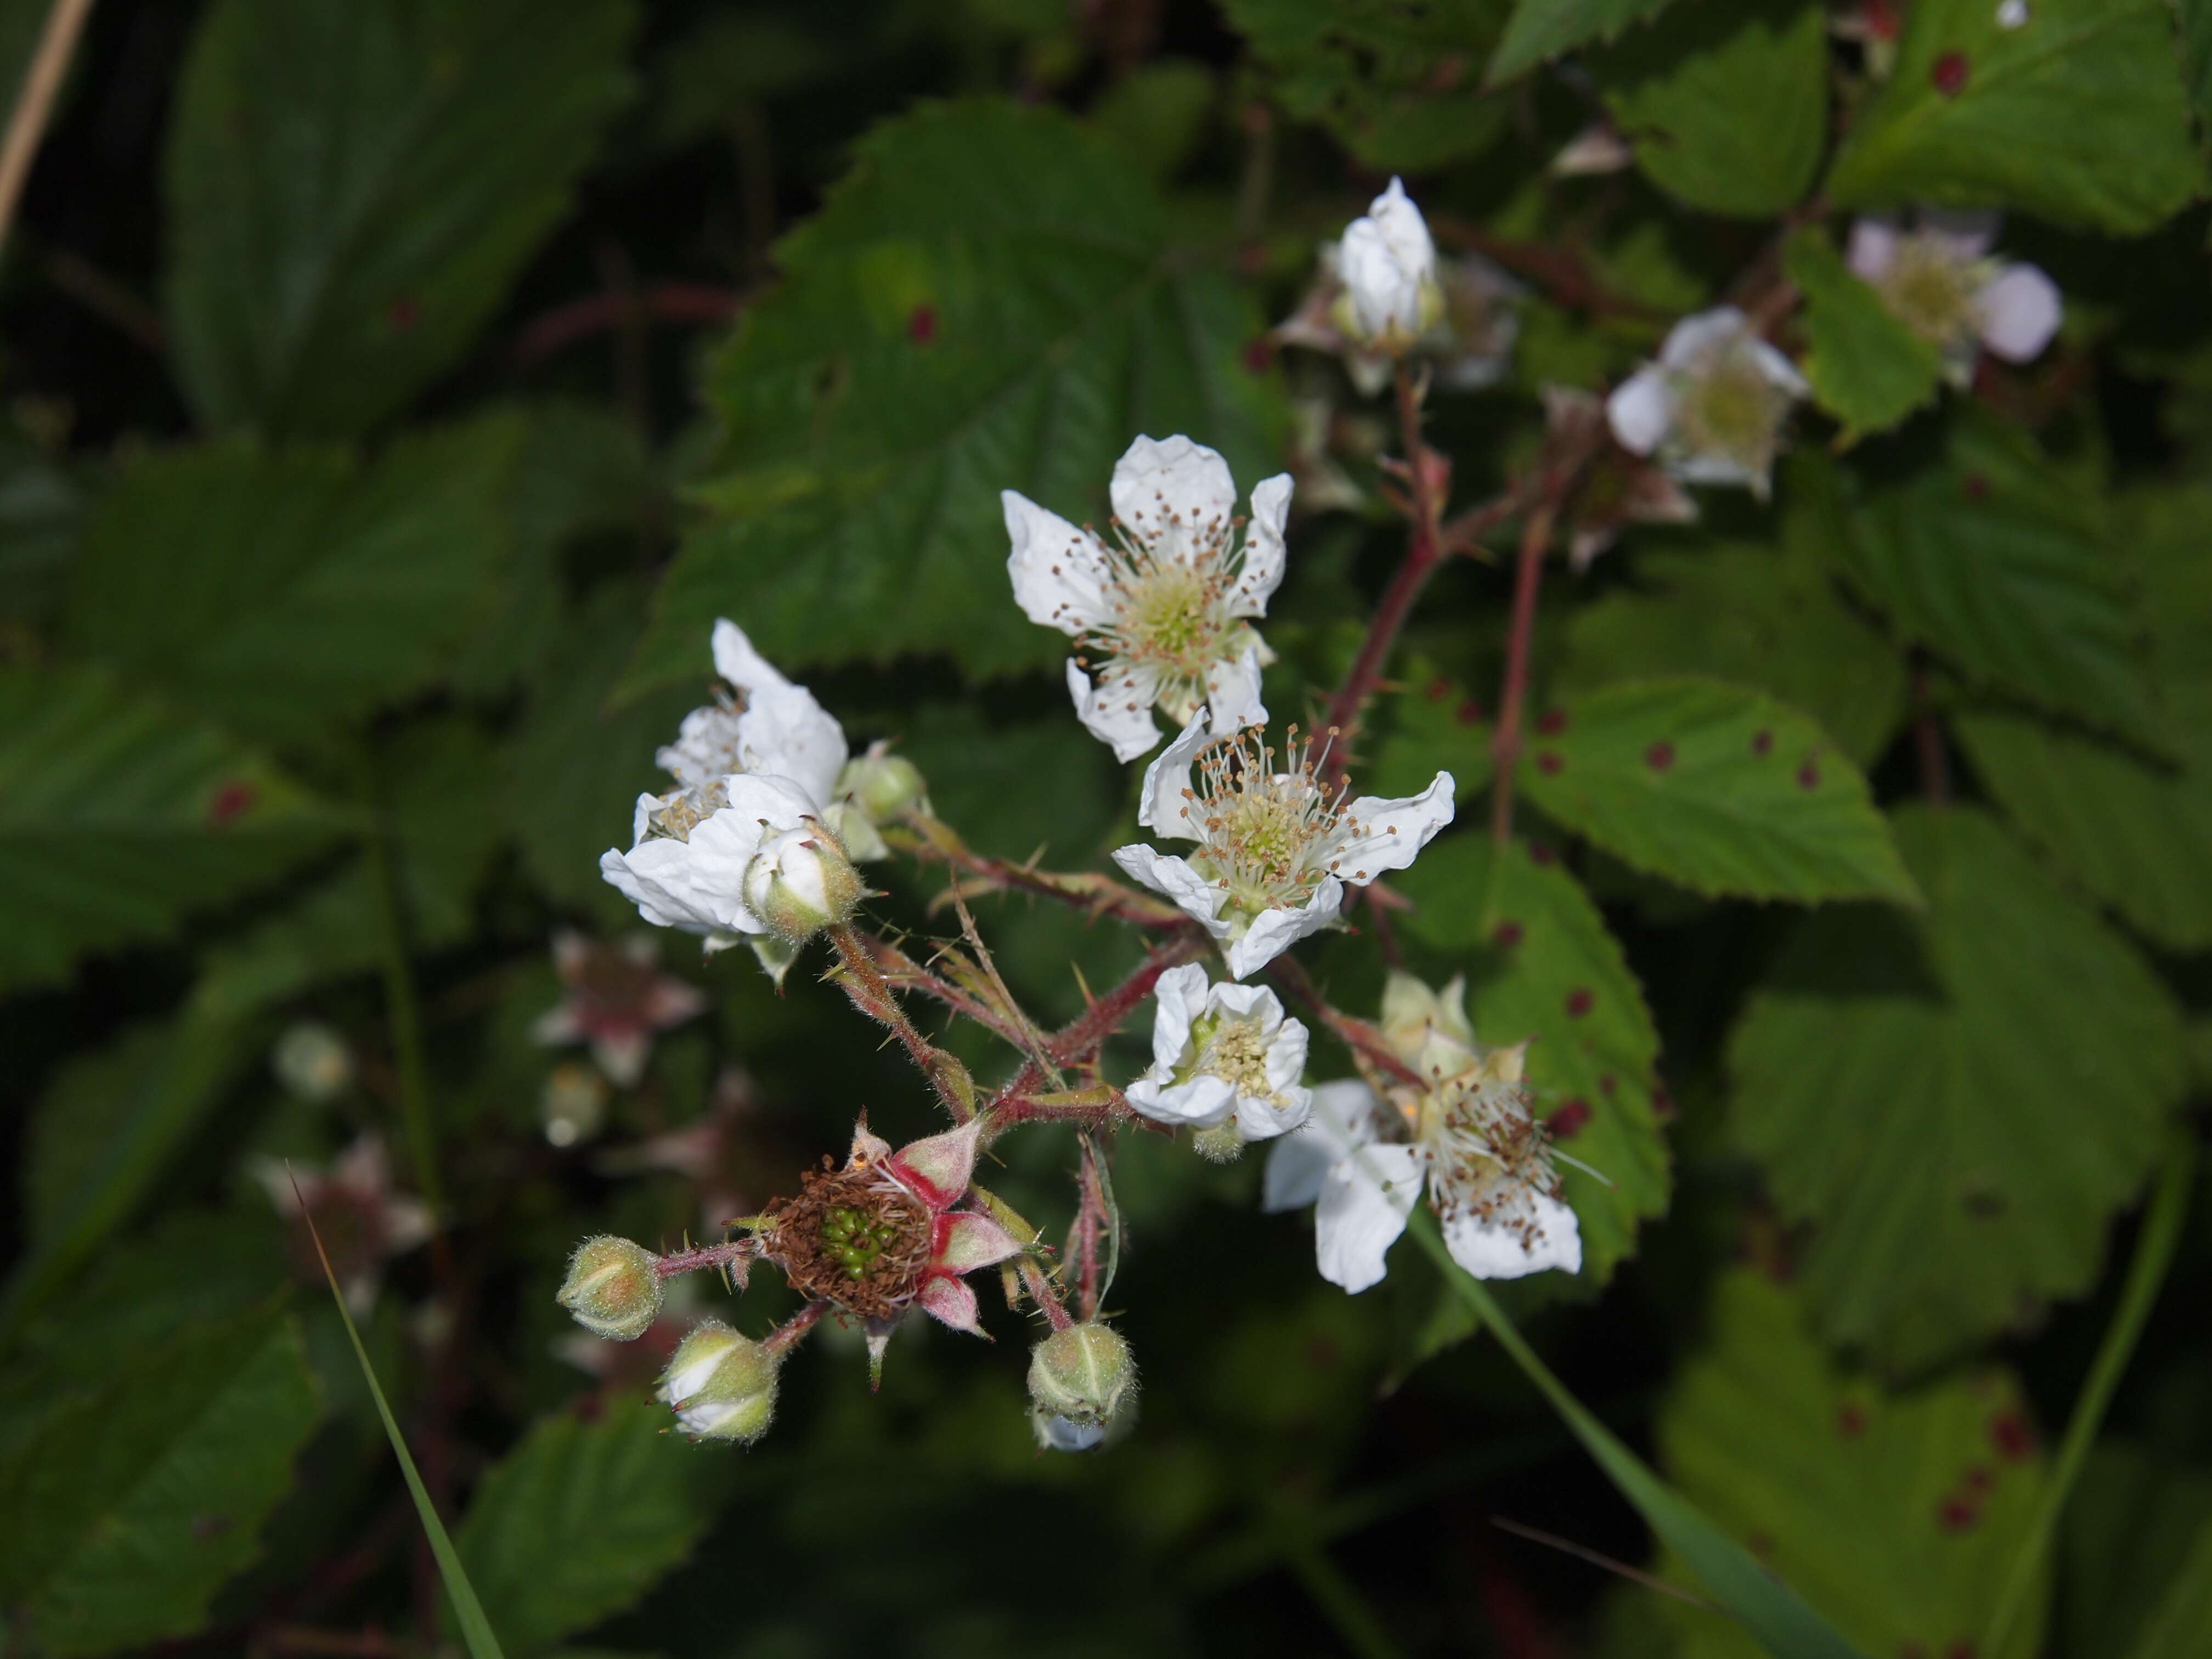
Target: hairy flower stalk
880,1236
1466,1132
1162,615
1275,847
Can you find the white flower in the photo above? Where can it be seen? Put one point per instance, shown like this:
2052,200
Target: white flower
1472,320
1274,848
1712,407
1162,615
764,760
1222,1053
1467,1135
1937,279
1389,265
615,998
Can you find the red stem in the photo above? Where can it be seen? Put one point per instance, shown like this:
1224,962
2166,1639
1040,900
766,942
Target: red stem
664,302
1505,746
707,1256
1043,1292
787,1335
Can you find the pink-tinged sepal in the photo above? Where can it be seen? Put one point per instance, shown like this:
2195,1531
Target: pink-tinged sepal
937,1170
950,1300
964,1241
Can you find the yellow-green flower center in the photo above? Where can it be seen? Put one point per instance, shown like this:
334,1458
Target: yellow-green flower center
1731,412
1931,290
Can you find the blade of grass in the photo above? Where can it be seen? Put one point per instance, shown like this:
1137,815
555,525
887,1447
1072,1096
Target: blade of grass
1338,1599
1772,1612
2155,1248
468,1611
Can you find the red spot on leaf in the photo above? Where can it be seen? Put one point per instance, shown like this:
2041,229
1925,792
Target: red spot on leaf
1882,20
1663,1105
1508,933
1978,486
231,802
1761,742
1959,1649
1439,688
1469,712
402,313
1539,853
1957,1514
1548,764
1659,756
1260,354
1979,1479
1568,1121
921,324
1809,776
1851,1422
1580,1001
1606,1083
1552,721
1949,74
2010,1435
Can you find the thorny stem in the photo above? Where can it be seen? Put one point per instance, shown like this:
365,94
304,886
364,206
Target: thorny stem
902,972
1083,1235
787,1335
1357,1034
864,983
1505,746
1043,1292
1080,1039
706,1255
1100,894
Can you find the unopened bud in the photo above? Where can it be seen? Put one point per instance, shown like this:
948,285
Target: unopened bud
801,882
720,1385
883,785
573,1105
613,1288
1082,1380
1223,1143
311,1060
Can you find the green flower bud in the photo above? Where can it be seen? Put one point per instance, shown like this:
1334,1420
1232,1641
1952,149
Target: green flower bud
613,1288
1082,1380
720,1385
883,785
801,882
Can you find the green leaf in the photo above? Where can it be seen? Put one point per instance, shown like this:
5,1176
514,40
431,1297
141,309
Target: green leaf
1427,723
1543,968
1867,368
1158,114
2181,1628
2077,116
1398,83
128,1511
1543,29
2136,836
1958,1104
1755,613
2128,1534
1984,556
1896,1514
1718,788
448,812
284,589
1763,1603
1726,102
352,184
118,818
2196,53
987,301
104,1134
583,1518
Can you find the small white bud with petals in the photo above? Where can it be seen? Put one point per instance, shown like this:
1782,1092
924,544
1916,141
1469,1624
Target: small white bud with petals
800,882
720,1385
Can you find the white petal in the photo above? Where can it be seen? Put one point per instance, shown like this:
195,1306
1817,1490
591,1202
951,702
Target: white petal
1496,1251
1717,470
736,660
1163,483
1286,1055
1264,1120
1404,228
1232,693
1163,806
1202,1102
662,879
1778,369
1700,336
1060,573
1273,932
1116,707
1179,995
1164,874
1255,1004
1261,571
640,817
1872,247
1641,411
1364,1204
784,732
1391,832
1385,296
1343,1118
2019,311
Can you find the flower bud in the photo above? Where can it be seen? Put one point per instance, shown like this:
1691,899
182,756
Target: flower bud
883,785
311,1060
1223,1143
720,1385
613,1288
573,1105
1081,1379
801,882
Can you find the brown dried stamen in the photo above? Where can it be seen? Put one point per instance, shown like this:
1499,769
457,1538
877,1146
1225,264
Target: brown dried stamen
852,1236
